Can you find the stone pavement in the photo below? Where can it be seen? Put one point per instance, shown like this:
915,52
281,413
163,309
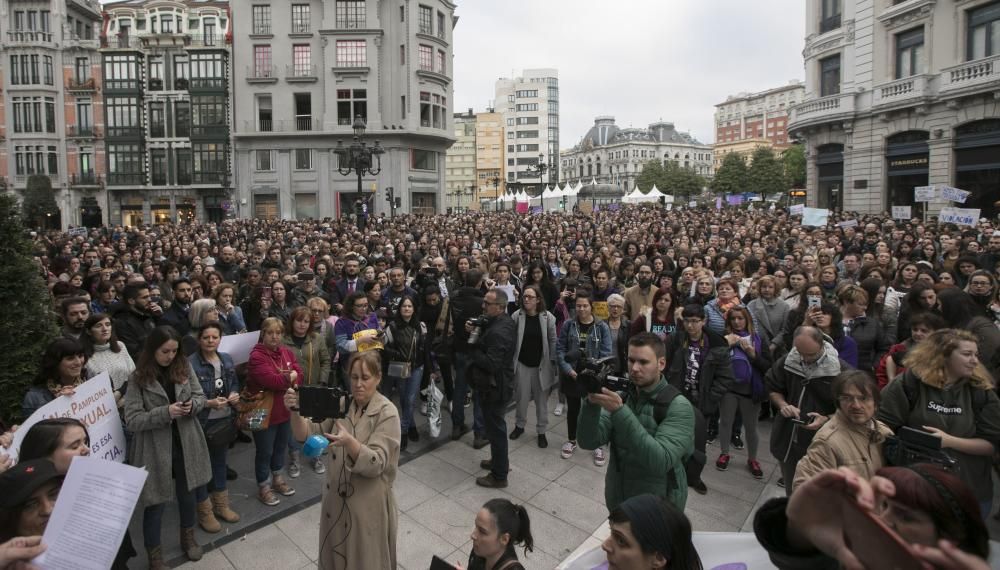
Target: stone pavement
438,500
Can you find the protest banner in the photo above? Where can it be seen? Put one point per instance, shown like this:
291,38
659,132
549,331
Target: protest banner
718,203
692,204
954,194
848,224
238,346
93,403
368,340
815,216
796,209
960,216
901,212
924,194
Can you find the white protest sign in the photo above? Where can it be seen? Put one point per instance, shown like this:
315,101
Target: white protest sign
848,224
954,194
960,216
91,515
797,209
239,346
924,193
815,216
93,403
692,204
901,212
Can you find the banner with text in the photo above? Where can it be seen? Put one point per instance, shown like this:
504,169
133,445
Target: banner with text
901,212
954,194
797,209
815,216
960,216
924,194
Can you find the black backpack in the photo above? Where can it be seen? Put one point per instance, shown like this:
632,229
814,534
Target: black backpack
697,459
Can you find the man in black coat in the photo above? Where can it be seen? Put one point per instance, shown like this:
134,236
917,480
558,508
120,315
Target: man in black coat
491,371
135,318
465,304
176,314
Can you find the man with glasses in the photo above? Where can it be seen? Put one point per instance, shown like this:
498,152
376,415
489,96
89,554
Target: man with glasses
640,295
981,289
800,387
491,372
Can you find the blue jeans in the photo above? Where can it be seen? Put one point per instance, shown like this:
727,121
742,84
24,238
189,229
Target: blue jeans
458,402
152,516
496,432
217,457
272,444
408,389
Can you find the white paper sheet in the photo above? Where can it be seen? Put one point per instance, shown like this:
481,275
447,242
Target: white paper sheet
239,346
91,515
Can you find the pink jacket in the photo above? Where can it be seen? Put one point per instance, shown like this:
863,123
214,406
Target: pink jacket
264,372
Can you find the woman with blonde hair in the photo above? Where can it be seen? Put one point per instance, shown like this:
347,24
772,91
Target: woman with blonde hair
947,391
201,312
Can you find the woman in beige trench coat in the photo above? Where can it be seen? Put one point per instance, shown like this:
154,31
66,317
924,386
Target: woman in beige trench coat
359,517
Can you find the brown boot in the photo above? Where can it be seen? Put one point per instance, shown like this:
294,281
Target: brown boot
206,519
280,486
220,505
190,547
155,557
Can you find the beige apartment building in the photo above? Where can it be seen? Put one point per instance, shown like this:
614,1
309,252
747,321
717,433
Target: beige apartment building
460,165
490,155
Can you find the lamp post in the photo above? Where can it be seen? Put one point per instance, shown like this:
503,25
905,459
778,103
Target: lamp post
496,184
359,158
540,170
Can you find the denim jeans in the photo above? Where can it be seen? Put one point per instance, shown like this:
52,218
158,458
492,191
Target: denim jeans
152,516
458,402
496,432
217,457
272,444
408,389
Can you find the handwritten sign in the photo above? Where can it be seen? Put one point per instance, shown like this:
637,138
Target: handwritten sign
692,204
902,212
600,310
93,403
796,209
924,194
848,224
959,216
815,216
954,194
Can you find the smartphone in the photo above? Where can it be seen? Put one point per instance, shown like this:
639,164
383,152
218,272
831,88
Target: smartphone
874,543
265,293
798,421
437,563
814,301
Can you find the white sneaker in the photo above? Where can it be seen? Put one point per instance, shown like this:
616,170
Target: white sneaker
559,410
600,458
567,449
318,466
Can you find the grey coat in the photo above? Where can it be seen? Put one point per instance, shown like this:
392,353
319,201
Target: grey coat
547,369
146,416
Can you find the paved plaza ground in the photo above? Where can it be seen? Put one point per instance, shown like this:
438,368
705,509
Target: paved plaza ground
438,499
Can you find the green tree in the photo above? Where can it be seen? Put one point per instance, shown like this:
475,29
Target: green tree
39,201
794,159
766,175
731,177
680,181
26,315
652,174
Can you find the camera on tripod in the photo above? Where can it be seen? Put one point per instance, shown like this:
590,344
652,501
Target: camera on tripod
594,374
323,402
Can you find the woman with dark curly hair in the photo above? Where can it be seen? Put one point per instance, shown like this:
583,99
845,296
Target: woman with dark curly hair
62,370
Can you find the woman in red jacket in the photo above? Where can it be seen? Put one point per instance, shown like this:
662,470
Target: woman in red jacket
273,368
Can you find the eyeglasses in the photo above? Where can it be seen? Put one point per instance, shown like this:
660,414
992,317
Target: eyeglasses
847,399
979,284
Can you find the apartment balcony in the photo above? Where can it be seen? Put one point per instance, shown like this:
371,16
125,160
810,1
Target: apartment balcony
181,84
220,132
125,132
74,41
823,110
81,85
307,123
299,124
981,75
908,91
83,132
208,177
30,38
127,179
122,85
213,84
262,74
217,41
123,42
301,74
85,180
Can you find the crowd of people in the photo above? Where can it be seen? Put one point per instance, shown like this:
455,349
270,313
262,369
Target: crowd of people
712,321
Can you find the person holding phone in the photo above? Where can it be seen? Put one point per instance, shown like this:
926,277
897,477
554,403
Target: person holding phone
162,402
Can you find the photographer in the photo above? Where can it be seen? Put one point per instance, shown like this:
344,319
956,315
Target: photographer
465,304
651,432
491,373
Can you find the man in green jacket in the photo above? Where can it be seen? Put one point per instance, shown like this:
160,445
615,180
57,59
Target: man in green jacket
646,456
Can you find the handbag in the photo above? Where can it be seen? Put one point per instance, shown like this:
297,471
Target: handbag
403,369
220,434
254,410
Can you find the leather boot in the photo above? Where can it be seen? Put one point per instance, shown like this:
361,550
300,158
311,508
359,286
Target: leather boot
220,505
190,547
206,519
155,557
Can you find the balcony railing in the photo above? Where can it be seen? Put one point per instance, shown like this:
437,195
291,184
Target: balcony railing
181,84
213,131
283,126
119,41
29,37
823,108
971,75
351,23
85,179
121,84
208,177
81,84
262,73
306,123
156,84
205,40
208,83
83,131
126,178
261,29
300,72
264,125
125,132
908,89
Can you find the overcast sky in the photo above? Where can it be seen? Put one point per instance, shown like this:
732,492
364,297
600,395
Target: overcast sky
638,60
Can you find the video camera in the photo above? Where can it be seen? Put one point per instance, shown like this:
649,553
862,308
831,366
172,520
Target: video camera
910,446
323,402
426,276
595,374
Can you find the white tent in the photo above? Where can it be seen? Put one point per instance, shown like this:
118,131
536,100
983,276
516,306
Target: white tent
522,196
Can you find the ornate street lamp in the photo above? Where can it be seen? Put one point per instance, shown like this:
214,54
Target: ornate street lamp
359,158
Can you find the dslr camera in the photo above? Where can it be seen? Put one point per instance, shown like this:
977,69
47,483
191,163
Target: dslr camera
323,402
477,327
426,276
595,374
